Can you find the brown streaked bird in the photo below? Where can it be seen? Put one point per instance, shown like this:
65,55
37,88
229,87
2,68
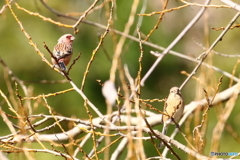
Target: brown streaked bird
173,108
63,51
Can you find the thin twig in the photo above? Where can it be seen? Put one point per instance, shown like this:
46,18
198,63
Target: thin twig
183,56
205,54
98,46
84,15
74,61
119,47
4,7
158,22
176,40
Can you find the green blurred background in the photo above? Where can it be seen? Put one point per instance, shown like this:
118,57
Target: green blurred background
27,65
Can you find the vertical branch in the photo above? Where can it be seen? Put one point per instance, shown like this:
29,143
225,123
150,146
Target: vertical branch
139,59
224,115
136,99
8,76
217,132
98,46
92,129
126,105
233,72
204,75
139,149
118,50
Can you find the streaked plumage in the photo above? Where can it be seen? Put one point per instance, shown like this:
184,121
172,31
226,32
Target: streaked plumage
63,51
173,107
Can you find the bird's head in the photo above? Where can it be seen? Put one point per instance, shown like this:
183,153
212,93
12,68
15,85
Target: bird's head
66,38
175,90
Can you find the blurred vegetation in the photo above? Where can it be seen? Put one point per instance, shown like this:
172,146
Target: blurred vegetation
28,66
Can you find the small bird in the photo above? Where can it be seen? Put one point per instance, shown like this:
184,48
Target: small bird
63,51
173,107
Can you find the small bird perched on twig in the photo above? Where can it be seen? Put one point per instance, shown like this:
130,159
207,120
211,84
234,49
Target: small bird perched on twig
173,108
63,51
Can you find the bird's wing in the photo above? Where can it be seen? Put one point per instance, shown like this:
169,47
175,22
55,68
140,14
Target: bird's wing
62,50
172,106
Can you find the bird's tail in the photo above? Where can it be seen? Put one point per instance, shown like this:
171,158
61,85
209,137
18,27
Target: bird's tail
164,131
62,66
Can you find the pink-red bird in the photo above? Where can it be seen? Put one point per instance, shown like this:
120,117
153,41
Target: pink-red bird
63,51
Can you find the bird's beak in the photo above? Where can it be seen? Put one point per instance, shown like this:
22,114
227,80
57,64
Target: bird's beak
177,92
72,38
